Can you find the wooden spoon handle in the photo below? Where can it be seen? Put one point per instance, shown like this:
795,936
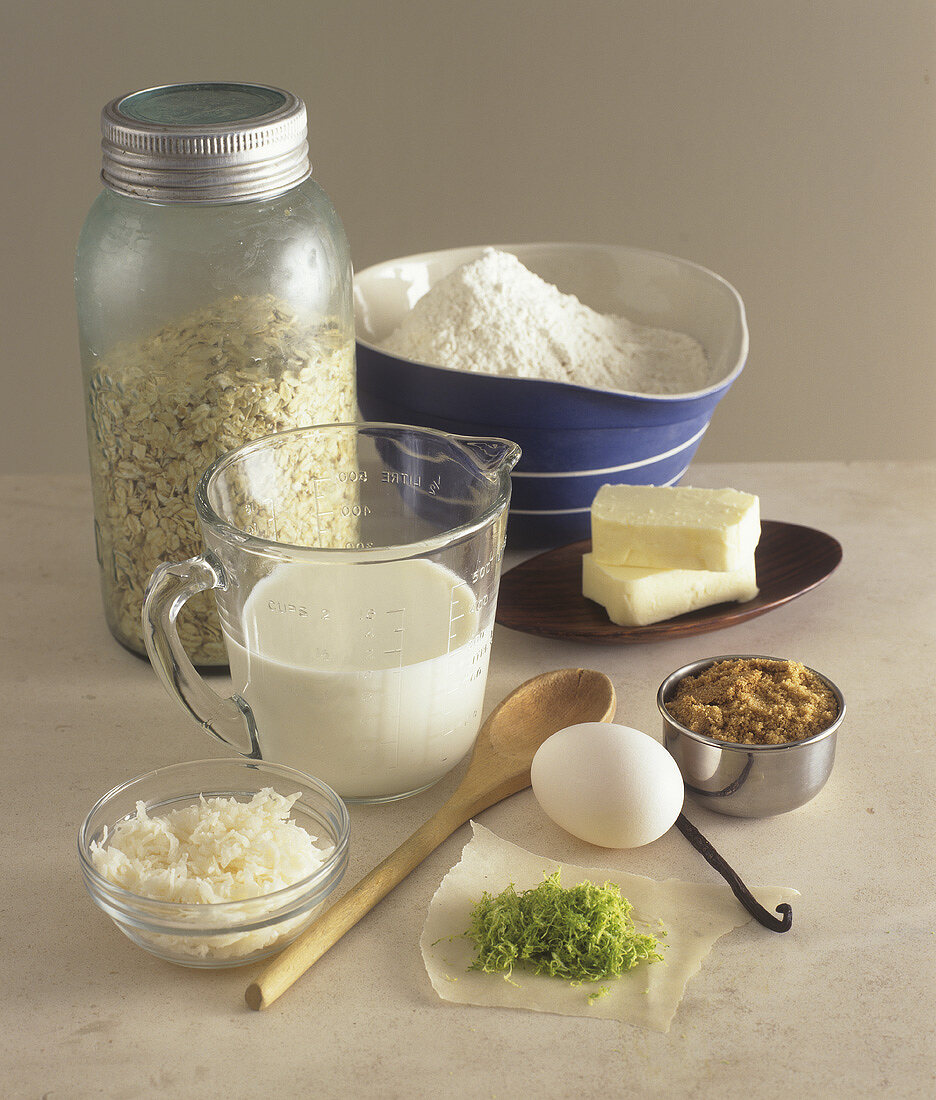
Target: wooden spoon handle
359,900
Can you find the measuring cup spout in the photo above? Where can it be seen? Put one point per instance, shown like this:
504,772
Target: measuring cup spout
491,455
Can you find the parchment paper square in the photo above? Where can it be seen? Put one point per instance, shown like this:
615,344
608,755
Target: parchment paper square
694,915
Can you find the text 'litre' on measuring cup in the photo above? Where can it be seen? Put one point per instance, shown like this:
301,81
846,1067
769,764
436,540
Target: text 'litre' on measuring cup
355,568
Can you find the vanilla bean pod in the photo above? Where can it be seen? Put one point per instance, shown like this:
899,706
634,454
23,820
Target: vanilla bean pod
740,891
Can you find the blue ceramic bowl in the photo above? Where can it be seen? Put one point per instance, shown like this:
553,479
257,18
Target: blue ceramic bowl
574,438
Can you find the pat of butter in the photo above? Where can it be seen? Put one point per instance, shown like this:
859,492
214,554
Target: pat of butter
674,528
637,596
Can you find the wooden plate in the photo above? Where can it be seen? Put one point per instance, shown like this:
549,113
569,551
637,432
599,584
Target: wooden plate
544,595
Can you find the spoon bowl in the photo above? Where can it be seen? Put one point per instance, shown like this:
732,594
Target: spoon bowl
499,767
541,707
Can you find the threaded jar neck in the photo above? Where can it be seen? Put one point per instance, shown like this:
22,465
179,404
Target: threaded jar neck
205,143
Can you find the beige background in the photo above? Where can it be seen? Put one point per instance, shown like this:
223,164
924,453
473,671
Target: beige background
789,145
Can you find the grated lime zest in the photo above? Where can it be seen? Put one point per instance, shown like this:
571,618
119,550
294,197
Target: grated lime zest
583,934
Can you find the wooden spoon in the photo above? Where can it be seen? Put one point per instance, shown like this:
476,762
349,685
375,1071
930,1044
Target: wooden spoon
499,767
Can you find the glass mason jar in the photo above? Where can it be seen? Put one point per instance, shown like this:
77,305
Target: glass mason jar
214,294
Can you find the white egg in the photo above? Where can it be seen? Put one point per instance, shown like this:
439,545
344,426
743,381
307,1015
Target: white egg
607,784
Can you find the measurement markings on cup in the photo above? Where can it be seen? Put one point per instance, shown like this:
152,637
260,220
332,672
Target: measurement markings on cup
460,597
320,513
261,518
456,616
398,666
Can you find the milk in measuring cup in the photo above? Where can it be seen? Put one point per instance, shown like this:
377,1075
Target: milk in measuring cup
368,676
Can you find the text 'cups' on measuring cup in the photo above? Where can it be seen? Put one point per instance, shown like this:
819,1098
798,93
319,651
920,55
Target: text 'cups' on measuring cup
355,568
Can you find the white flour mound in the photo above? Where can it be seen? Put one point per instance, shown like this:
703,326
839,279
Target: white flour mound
493,316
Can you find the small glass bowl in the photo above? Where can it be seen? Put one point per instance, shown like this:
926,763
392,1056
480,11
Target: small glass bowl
227,933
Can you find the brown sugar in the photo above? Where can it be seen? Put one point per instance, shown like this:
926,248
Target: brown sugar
755,701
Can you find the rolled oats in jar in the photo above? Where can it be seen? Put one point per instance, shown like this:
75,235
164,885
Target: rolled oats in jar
213,283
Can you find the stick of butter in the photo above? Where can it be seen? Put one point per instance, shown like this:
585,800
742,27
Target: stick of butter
637,596
670,527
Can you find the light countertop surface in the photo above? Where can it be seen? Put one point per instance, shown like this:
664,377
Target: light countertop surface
843,1005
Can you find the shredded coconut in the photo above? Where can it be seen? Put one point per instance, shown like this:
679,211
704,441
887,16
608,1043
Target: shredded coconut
494,316
214,850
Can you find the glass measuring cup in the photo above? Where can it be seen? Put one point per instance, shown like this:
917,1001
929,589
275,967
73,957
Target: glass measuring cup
355,568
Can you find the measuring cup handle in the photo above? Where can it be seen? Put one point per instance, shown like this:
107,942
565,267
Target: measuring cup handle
170,586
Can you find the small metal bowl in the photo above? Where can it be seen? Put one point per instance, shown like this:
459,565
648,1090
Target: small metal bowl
747,780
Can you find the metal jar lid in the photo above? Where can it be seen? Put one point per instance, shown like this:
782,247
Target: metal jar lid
205,143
